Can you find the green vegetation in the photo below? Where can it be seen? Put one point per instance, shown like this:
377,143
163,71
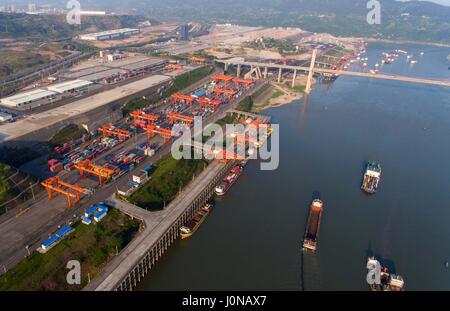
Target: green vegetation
168,178
4,184
14,62
411,20
43,27
246,104
180,82
283,47
276,94
67,134
298,88
93,246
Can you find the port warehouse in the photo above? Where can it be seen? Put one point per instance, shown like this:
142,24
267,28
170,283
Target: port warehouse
84,79
106,73
93,111
51,92
136,260
110,34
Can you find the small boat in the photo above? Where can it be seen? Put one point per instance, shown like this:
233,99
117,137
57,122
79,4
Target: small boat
386,281
372,178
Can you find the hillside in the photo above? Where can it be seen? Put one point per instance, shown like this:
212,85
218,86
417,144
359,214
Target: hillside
421,21
36,27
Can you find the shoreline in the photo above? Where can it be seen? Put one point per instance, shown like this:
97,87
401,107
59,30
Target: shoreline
287,97
373,40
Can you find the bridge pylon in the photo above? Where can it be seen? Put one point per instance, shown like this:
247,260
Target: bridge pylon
311,72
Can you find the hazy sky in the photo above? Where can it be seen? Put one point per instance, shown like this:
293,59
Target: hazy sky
443,2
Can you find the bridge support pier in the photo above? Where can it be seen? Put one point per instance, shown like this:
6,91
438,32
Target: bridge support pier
294,77
279,75
311,72
238,71
226,66
265,72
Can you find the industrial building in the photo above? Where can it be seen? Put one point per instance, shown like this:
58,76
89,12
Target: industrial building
70,86
23,99
117,70
110,34
184,32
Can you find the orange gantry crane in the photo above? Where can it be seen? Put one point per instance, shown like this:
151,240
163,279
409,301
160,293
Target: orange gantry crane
55,184
198,60
177,97
109,130
142,119
88,167
220,91
205,101
180,117
246,82
152,130
224,78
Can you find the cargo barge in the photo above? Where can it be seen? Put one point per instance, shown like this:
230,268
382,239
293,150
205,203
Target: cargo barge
313,226
387,281
230,179
372,178
192,226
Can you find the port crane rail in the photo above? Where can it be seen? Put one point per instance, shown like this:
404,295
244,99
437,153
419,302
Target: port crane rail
55,184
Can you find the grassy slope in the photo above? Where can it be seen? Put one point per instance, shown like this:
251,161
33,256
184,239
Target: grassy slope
168,177
92,245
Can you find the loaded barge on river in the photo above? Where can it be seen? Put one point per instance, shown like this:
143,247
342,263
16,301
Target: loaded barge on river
313,226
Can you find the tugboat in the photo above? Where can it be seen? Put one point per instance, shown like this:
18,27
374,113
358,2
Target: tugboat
230,179
192,226
388,282
372,178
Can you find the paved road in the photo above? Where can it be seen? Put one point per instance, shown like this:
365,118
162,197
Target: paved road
343,73
34,226
156,225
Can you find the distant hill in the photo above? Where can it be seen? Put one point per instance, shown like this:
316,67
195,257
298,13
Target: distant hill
415,20
25,26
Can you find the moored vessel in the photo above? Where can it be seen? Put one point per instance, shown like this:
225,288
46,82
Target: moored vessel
229,179
192,226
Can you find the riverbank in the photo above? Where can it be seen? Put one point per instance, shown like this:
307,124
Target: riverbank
402,42
277,95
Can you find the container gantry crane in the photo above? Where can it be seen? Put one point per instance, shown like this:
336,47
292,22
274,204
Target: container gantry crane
88,167
152,130
143,119
55,184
